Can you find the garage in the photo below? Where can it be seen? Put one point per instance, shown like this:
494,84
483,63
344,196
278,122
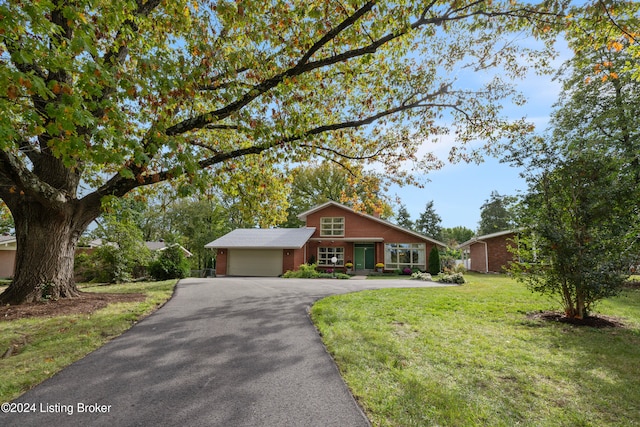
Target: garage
260,252
254,262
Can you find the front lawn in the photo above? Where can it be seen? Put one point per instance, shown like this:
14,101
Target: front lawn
34,348
471,356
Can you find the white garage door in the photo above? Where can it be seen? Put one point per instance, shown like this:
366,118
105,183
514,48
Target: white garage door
255,262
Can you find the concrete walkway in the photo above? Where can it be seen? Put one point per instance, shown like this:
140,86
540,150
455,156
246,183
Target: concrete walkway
222,352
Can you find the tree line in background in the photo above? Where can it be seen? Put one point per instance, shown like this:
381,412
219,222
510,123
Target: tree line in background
498,213
193,222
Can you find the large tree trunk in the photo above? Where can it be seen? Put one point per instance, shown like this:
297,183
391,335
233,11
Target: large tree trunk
46,243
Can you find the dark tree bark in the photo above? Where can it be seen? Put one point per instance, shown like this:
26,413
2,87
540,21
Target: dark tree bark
46,241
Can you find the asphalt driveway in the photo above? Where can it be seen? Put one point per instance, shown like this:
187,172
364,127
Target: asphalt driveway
222,352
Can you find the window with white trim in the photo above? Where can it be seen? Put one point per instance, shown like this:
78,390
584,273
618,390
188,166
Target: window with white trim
332,226
325,255
398,256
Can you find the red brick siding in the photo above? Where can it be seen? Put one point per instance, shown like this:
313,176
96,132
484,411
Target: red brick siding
221,262
358,226
498,254
292,259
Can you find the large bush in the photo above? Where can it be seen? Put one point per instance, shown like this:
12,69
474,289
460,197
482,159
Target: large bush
170,264
122,252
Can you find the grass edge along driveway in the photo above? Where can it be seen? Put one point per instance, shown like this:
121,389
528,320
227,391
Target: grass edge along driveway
471,356
45,345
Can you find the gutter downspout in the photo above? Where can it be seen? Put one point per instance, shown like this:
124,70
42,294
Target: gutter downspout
486,256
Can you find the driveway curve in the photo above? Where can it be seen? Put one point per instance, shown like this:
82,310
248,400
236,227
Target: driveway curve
222,352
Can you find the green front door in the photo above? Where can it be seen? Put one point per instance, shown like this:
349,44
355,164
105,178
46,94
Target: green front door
364,255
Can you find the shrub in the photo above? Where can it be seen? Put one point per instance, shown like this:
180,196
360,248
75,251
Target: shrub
434,261
459,268
305,271
406,271
421,276
456,278
171,264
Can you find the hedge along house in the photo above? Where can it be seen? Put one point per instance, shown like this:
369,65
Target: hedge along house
489,253
332,230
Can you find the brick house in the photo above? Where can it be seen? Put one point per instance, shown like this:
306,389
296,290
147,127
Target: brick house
331,230
489,253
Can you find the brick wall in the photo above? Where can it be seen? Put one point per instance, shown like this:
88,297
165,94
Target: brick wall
358,226
221,262
498,254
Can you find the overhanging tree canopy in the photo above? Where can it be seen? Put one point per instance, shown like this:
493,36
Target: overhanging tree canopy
102,97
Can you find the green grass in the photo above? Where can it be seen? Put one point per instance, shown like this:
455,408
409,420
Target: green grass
46,345
470,356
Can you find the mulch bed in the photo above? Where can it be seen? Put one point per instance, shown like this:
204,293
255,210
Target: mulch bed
86,303
598,321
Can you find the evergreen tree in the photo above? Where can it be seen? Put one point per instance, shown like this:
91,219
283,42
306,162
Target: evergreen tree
434,261
429,222
403,219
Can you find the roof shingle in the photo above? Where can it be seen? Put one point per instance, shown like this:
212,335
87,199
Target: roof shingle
258,238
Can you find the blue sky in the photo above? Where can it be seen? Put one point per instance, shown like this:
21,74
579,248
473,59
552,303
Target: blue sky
459,190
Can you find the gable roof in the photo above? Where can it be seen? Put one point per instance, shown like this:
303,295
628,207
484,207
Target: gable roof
477,239
264,238
162,245
303,217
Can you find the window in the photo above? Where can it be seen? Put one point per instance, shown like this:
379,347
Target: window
332,226
398,256
325,255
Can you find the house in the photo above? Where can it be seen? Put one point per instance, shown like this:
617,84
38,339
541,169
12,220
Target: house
488,253
7,255
332,230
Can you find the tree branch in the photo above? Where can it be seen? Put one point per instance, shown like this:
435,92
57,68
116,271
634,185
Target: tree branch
26,181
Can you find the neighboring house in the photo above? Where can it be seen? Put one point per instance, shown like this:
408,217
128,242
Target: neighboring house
7,256
8,252
488,253
332,230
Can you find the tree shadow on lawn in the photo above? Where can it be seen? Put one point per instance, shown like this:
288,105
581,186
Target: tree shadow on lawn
213,366
595,366
596,321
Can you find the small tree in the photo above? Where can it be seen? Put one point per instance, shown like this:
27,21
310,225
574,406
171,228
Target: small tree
578,236
434,261
171,264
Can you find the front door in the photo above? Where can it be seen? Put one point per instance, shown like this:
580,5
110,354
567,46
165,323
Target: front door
364,255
